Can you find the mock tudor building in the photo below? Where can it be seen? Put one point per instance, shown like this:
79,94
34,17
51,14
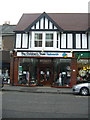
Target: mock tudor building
51,49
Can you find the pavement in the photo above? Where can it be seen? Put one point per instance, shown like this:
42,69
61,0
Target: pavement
37,89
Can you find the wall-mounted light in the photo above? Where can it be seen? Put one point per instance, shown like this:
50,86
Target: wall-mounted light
42,52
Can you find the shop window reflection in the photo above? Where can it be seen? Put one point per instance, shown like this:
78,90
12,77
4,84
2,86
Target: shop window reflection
27,70
62,72
83,71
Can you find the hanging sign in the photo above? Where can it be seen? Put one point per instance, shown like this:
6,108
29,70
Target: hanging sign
45,54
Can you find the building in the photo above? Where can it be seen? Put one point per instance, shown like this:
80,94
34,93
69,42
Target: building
51,49
6,46
0,54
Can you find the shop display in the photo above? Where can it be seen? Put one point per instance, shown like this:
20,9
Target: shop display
83,70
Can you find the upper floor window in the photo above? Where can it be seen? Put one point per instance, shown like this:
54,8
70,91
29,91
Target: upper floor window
49,40
25,41
74,41
84,41
38,39
69,40
81,41
43,39
63,40
78,41
18,40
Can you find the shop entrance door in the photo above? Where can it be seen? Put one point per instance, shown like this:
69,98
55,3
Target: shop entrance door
45,75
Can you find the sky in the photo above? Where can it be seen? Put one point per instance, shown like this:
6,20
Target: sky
12,10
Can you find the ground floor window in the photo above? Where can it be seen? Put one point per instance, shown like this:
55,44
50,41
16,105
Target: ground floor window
44,71
62,72
83,73
5,72
27,70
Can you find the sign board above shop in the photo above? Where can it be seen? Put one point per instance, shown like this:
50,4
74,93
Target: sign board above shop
45,54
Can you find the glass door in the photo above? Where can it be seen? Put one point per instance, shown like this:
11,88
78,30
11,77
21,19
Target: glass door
45,75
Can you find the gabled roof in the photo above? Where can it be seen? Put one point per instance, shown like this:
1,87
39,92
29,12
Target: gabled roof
65,21
44,15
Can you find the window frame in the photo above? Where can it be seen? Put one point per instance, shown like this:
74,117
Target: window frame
74,44
38,40
49,40
18,40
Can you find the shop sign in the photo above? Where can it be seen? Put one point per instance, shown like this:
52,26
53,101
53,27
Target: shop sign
45,54
82,54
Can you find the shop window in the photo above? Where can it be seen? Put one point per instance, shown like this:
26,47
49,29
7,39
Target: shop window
27,70
83,70
62,72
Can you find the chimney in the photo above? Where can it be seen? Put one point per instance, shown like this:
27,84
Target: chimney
7,23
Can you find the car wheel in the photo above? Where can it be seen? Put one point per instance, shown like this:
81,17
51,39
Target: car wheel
84,91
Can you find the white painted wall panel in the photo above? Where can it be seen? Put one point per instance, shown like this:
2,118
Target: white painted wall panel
69,41
63,40
50,25
32,45
84,40
37,25
78,41
30,40
41,23
46,23
32,27
24,40
59,40
55,27
55,40
18,40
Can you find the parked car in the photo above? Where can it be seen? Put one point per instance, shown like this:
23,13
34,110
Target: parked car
82,89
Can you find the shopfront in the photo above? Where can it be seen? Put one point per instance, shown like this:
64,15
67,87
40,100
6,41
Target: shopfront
83,66
48,69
